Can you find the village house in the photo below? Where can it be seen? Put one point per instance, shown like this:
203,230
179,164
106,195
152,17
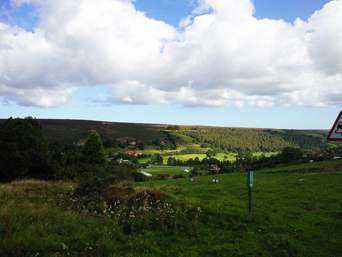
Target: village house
135,153
213,167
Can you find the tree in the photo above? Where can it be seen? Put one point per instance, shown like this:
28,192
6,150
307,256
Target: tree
210,153
23,150
170,161
93,151
291,154
141,146
159,159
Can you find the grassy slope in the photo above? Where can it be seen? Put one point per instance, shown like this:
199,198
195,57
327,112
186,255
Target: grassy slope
331,163
292,214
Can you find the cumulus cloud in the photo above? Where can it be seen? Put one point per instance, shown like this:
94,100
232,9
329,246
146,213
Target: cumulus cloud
222,55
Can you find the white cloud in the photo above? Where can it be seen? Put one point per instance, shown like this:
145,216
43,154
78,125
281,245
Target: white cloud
222,56
3,101
136,93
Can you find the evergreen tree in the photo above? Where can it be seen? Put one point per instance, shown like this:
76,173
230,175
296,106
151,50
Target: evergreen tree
23,150
93,151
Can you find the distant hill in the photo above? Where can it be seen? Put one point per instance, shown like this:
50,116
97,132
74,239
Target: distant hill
77,130
227,139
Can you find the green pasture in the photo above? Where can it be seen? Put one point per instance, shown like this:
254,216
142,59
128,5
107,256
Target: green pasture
291,215
324,164
184,157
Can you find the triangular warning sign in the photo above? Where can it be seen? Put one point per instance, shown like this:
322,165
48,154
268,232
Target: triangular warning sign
335,133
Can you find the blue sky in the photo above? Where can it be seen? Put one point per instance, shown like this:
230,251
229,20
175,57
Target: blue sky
232,63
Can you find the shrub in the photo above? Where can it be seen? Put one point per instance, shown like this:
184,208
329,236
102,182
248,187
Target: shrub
113,195
148,195
90,184
67,173
138,177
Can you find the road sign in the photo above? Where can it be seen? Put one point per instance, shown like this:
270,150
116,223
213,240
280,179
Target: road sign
335,133
250,179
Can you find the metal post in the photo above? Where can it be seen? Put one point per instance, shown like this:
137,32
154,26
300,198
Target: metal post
249,203
249,185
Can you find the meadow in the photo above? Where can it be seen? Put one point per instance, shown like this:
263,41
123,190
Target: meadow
323,164
292,215
184,157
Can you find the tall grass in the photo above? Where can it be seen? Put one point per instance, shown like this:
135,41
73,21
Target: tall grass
292,215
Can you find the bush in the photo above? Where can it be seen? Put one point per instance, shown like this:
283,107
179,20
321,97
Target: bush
67,173
138,177
147,195
124,172
96,169
90,185
178,176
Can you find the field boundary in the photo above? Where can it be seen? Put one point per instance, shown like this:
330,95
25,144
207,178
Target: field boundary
308,170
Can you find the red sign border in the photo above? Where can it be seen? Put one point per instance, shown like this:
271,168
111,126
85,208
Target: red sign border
332,129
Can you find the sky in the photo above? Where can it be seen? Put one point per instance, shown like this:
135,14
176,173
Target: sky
228,63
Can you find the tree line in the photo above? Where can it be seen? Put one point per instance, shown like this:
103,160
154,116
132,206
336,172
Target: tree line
255,140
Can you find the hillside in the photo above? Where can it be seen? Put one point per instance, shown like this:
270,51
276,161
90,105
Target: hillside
197,138
255,140
226,139
77,130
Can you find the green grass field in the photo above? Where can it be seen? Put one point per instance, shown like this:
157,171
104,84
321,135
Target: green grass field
184,157
292,215
329,164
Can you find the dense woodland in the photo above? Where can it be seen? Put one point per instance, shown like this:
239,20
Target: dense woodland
256,140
